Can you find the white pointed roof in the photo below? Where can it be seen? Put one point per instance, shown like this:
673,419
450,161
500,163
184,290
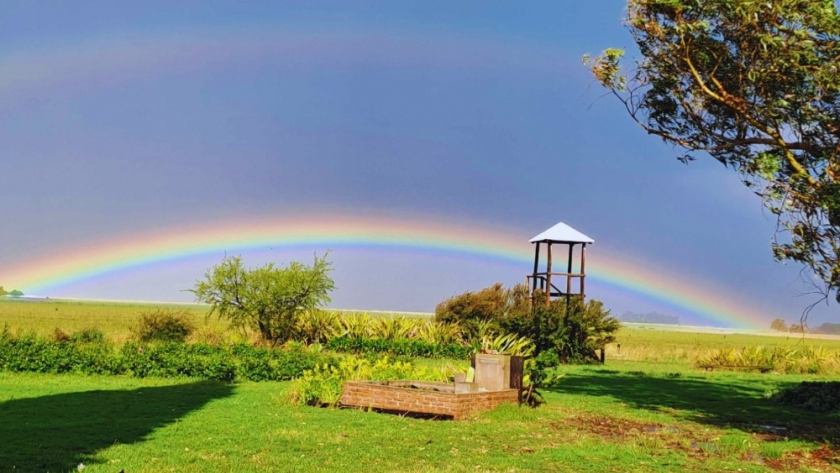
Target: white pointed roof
562,233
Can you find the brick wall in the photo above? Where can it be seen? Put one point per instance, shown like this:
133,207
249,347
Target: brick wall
397,396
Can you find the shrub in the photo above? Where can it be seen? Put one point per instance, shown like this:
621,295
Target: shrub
31,354
60,335
88,335
573,329
164,325
793,360
813,396
162,359
482,313
173,360
318,326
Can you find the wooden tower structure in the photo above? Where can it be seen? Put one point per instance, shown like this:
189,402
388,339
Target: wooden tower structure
568,284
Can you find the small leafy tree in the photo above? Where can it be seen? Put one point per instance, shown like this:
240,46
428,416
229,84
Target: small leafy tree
268,299
779,325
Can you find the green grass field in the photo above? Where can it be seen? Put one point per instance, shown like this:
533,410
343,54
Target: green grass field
654,414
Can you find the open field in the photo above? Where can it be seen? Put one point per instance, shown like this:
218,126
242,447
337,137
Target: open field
647,409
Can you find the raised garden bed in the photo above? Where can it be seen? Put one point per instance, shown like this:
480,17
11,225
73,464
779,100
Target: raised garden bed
422,397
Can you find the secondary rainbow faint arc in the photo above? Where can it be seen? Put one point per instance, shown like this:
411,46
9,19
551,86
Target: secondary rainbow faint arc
38,276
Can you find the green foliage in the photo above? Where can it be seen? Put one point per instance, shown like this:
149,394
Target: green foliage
574,330
91,355
400,347
779,325
164,325
790,360
45,356
482,313
509,344
175,360
317,326
88,335
322,386
12,293
267,299
821,396
754,85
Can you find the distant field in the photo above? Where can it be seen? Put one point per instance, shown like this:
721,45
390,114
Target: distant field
43,316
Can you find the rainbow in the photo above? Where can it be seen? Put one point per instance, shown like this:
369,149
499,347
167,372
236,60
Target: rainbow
99,258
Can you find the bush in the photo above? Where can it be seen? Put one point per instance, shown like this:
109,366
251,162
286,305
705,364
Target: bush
573,329
400,347
164,325
813,396
31,354
88,335
60,335
165,359
790,360
483,313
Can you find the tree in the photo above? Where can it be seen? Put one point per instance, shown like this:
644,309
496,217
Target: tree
779,325
267,299
3,292
756,86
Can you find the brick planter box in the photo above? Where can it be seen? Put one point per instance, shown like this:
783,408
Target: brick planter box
423,398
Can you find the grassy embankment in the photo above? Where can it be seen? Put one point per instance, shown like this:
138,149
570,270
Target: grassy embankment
628,415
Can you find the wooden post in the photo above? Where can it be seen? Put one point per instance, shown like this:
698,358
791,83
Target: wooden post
583,273
569,273
548,277
536,268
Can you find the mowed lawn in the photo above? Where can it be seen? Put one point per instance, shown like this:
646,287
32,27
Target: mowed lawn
618,417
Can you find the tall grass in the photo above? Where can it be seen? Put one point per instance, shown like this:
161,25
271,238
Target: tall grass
800,360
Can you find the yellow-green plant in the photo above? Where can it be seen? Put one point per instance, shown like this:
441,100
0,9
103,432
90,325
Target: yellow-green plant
394,328
509,344
437,332
322,386
354,326
318,326
794,360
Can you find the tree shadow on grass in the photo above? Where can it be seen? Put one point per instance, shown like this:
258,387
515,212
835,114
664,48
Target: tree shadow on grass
55,433
739,403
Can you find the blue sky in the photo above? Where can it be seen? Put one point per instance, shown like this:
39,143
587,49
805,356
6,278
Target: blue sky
123,118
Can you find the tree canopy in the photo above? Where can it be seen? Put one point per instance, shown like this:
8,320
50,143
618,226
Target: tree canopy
267,299
756,85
